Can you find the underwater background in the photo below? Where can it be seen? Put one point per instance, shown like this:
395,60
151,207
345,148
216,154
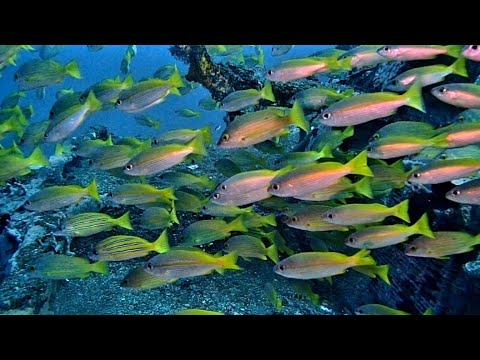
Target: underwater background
34,282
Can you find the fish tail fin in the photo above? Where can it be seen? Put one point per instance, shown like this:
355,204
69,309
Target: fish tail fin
348,132
92,190
206,132
267,92
414,97
358,165
73,70
401,210
173,214
272,253
315,299
238,225
270,220
459,67
429,311
382,272
124,221
100,267
161,245
422,227
344,64
176,79
229,261
109,141
58,149
37,158
363,258
128,82
175,91
92,102
297,117
477,239
439,141
454,50
347,93
326,152
17,126
197,145
156,124
15,149
364,187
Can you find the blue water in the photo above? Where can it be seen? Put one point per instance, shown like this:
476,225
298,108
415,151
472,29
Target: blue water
105,64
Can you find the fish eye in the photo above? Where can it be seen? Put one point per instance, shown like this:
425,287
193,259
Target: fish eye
156,142
394,82
351,239
204,207
269,72
226,245
82,97
149,266
119,102
110,194
221,104
294,218
443,156
22,140
28,202
474,47
281,267
330,215
369,149
376,136
45,135
416,175
225,137
95,252
327,116
216,196
128,167
412,248
224,187
90,162
461,118
386,48
276,187
456,192
442,90
124,282
31,268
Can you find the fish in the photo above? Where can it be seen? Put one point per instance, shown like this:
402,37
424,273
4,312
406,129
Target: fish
89,147
396,146
248,246
207,103
460,134
245,188
301,68
188,113
342,189
64,104
427,75
184,178
146,121
12,150
138,278
165,71
356,214
471,52
417,129
147,93
470,151
304,289
37,73
134,194
12,100
316,98
34,133
224,210
183,263
198,312
207,231
227,167
305,179
374,270
444,244
50,51
241,99
280,50
190,200
111,157
86,224
183,136
255,127
125,247
127,59
378,309
461,95
56,197
310,218
364,56
14,165
375,237
272,296
362,108
306,157
158,218
388,177
65,124
333,138
95,48
418,52
59,267
467,116
247,159
467,193
159,158
253,220
318,265
13,121
440,171
107,91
